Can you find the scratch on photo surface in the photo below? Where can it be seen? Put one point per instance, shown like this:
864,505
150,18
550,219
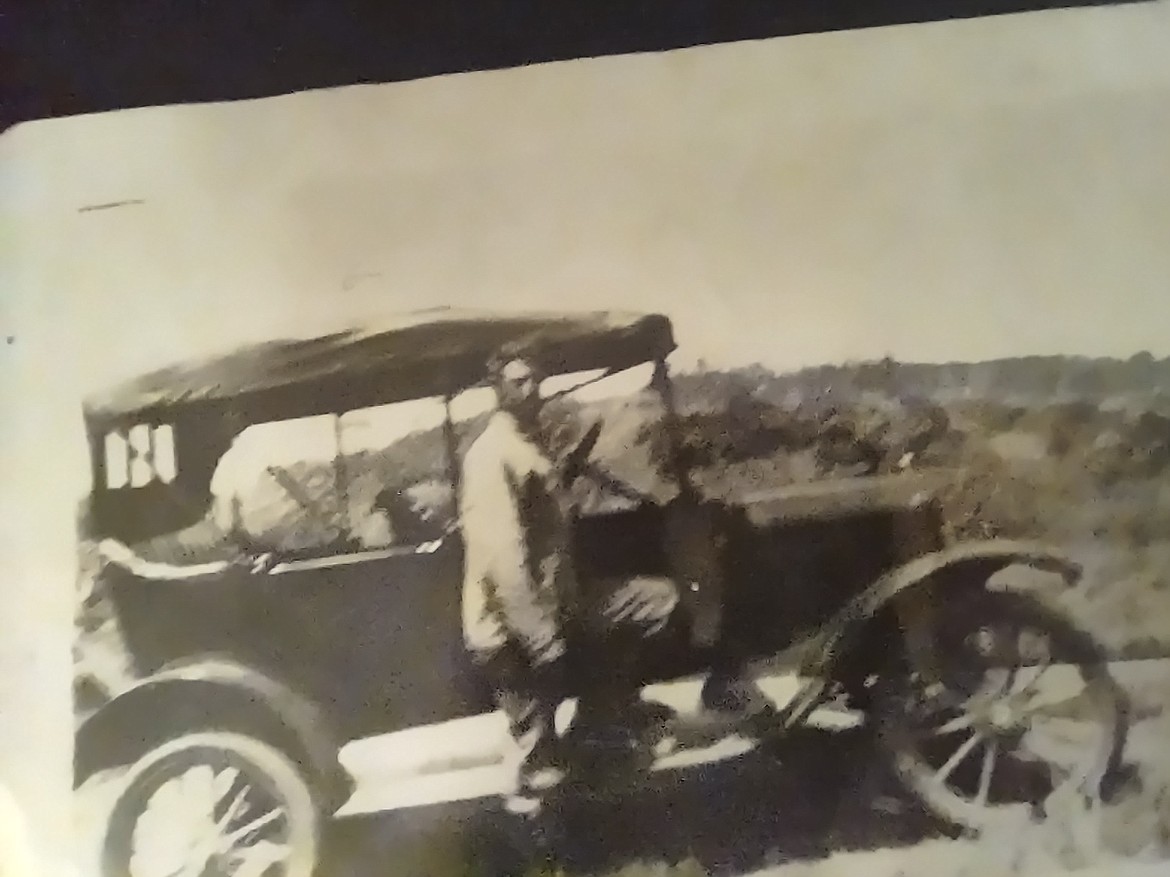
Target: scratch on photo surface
109,205
352,280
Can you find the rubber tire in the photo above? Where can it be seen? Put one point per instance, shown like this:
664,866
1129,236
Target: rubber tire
1080,648
306,818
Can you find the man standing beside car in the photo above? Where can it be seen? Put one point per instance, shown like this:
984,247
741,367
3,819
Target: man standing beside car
522,609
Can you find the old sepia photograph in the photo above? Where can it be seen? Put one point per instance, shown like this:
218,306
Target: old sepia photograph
746,460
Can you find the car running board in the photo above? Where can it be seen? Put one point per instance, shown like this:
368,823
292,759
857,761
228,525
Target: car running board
464,759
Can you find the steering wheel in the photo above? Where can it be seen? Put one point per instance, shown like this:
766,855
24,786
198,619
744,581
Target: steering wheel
576,460
578,465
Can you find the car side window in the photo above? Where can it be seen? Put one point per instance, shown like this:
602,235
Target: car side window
280,477
630,413
371,478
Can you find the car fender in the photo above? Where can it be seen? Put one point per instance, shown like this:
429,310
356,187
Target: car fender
212,693
965,565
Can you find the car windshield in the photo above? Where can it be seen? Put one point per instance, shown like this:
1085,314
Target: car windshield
380,477
625,458
630,413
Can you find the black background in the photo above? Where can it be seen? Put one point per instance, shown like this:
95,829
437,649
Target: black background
67,57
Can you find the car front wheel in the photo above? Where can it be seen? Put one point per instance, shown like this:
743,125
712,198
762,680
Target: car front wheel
213,804
1022,714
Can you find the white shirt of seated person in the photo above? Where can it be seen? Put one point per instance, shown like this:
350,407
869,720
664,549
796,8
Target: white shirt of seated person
374,531
227,484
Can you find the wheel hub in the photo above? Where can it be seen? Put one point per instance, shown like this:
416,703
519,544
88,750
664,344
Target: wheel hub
210,843
1002,717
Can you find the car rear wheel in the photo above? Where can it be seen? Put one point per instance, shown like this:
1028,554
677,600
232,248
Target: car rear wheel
213,804
1018,714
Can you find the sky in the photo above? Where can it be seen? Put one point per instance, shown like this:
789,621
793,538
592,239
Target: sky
978,196
951,191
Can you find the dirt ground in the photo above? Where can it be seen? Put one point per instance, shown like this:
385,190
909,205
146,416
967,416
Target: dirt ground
1133,829
1129,835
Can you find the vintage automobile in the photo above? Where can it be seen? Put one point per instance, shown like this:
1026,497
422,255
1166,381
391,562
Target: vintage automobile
259,678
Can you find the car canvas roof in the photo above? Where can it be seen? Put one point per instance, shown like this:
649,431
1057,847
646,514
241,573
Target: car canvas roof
438,352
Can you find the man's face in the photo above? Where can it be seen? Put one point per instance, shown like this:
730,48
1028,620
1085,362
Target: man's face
519,388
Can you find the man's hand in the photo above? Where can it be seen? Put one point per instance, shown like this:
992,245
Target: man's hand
538,628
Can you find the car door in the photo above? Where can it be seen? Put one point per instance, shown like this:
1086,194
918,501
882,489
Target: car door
366,618
377,634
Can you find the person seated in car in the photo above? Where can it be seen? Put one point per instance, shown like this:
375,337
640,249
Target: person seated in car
412,516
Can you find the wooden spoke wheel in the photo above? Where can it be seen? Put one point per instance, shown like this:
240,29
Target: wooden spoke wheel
213,804
1017,710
